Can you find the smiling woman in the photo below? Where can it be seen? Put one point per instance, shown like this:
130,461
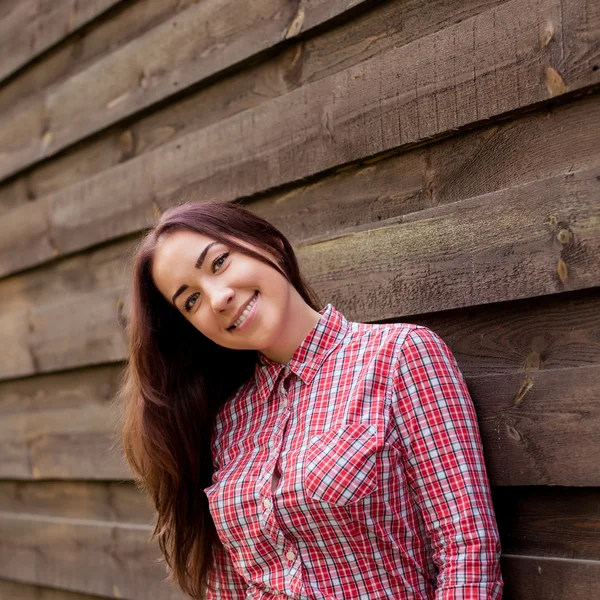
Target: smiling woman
232,291
287,450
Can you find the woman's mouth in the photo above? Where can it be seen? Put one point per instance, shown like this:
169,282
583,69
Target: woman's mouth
246,317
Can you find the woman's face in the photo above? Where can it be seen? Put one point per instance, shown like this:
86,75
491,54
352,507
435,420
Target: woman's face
211,284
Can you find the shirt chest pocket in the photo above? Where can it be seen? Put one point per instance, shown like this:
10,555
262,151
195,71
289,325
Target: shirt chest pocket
340,465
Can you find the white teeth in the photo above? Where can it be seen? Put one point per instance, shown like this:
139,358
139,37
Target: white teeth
247,310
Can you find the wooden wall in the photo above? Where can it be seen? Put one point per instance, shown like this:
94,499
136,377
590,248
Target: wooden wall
432,161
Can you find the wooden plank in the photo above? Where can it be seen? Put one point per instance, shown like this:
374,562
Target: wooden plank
528,577
521,150
175,57
523,416
66,547
500,246
302,62
109,501
538,428
549,521
11,590
29,27
61,427
104,35
550,332
109,559
536,239
344,115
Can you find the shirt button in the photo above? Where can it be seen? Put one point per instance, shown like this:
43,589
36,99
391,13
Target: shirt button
267,503
290,555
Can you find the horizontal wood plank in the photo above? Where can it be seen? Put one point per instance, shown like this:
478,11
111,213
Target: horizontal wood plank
531,240
549,521
95,557
302,62
538,238
29,27
11,590
61,427
522,417
104,35
528,577
344,116
175,57
110,501
125,557
538,428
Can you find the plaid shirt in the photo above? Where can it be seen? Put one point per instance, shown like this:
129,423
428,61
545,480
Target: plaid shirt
354,471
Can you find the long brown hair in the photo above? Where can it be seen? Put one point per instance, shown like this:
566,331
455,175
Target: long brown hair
177,379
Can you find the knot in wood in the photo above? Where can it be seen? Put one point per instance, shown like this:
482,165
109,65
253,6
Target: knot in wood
564,236
547,33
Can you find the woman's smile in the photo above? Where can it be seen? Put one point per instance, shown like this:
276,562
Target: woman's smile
247,315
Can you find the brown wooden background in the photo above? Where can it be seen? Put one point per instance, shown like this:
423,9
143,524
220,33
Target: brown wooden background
433,161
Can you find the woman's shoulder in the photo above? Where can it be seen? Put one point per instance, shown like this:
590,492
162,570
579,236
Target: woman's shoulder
387,336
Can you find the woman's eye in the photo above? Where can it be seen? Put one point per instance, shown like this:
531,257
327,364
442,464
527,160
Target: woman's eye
219,260
190,301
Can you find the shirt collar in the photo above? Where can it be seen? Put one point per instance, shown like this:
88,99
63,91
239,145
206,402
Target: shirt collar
307,359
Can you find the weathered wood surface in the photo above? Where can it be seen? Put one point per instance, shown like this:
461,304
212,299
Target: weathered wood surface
61,427
63,515
30,27
109,501
89,537
538,238
535,239
112,30
302,62
350,115
549,521
540,578
523,416
10,590
532,368
205,39
96,557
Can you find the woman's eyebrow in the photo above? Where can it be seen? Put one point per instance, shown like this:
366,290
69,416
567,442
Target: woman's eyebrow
202,256
198,265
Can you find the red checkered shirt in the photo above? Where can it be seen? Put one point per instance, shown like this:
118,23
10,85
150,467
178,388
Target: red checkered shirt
354,471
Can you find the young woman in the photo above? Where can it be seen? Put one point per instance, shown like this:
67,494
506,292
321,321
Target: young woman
288,451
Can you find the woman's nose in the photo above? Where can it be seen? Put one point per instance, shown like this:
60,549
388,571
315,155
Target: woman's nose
221,298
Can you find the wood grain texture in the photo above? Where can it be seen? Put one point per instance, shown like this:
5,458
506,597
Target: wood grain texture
175,56
531,240
96,557
304,61
500,246
106,34
57,427
10,590
350,115
549,521
528,577
30,27
521,150
538,427
109,501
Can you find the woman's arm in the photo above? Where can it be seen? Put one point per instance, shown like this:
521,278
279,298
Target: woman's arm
224,582
445,468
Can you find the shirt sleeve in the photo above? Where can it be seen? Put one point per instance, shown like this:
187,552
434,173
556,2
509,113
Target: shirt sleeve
445,468
224,582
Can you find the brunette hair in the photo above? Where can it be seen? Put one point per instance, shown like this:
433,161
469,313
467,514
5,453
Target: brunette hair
177,379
